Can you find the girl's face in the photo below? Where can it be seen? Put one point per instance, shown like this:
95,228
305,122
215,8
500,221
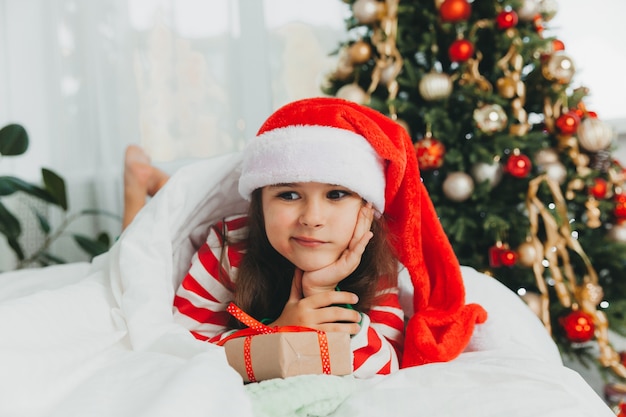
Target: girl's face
310,223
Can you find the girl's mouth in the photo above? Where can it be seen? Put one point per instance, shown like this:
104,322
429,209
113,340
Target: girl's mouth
307,241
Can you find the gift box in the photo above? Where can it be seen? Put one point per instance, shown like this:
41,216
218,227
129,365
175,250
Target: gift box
260,352
285,354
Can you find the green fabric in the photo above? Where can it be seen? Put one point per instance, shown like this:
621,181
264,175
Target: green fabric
304,395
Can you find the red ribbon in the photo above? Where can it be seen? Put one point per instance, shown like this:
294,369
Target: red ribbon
256,327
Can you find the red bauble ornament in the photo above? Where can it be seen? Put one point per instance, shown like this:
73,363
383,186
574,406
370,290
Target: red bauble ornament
506,20
538,21
508,257
568,123
599,188
578,326
461,50
455,10
501,255
430,153
519,165
557,45
620,206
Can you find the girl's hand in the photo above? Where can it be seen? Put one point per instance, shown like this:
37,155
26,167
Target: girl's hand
318,311
327,278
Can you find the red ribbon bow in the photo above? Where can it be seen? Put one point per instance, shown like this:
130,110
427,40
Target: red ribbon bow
256,327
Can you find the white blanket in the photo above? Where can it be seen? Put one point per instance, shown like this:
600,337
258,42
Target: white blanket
99,340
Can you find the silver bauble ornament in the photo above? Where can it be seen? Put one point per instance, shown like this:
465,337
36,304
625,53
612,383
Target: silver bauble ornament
368,11
548,9
435,86
528,10
617,233
458,186
546,156
482,171
490,118
344,68
594,135
352,92
559,67
556,171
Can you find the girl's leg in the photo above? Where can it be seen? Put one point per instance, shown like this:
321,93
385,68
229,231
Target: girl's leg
141,180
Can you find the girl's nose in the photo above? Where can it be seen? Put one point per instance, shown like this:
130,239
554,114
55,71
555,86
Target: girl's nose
312,215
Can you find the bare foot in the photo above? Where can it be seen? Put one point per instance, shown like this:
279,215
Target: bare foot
141,180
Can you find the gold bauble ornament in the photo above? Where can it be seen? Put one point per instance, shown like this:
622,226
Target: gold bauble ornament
360,52
353,92
435,86
438,3
527,254
594,135
490,118
368,11
559,67
458,186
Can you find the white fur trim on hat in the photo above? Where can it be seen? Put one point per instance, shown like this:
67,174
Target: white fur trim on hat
314,154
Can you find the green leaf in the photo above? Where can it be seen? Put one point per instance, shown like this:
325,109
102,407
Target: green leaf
9,185
13,140
105,239
92,247
9,224
17,248
43,223
55,185
47,258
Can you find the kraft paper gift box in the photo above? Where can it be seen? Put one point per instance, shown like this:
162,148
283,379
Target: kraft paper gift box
283,354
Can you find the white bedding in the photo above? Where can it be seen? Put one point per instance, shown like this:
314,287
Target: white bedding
98,339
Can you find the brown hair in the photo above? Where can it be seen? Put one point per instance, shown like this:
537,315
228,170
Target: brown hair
264,276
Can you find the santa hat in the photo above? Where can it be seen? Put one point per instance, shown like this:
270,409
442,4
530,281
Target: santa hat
335,141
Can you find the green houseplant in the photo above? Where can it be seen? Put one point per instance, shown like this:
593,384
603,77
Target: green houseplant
14,141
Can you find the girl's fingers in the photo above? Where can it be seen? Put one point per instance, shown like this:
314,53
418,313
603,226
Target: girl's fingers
329,298
338,314
364,223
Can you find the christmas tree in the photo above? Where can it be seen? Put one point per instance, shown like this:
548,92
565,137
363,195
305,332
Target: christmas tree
519,170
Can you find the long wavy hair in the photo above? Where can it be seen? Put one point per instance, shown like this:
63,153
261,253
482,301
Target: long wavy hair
264,276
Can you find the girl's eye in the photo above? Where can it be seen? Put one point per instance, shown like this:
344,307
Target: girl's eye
337,194
289,195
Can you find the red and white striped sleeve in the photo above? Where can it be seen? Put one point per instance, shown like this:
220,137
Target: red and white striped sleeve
378,345
207,289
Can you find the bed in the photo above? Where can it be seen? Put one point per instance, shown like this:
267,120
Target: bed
98,339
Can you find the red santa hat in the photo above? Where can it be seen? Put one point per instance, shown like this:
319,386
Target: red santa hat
335,141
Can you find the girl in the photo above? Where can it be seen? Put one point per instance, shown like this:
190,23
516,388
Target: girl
316,250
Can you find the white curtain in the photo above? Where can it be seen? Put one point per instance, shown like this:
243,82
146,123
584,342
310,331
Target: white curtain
183,78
